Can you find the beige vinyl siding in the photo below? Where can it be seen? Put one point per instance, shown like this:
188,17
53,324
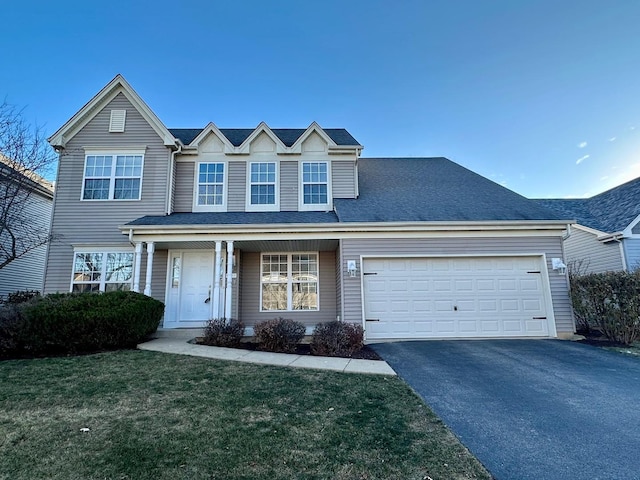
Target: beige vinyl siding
27,272
250,292
339,270
584,252
551,246
96,222
343,179
172,188
237,181
183,197
158,275
288,186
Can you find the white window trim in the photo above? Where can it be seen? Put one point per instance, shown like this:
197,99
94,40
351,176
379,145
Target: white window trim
249,207
290,282
104,250
112,177
317,207
225,188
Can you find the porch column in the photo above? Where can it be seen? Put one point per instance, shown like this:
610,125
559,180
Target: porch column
136,271
229,289
216,280
151,247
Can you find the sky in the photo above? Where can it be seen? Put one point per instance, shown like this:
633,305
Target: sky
540,96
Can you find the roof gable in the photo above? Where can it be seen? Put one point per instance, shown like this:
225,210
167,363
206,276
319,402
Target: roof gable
116,86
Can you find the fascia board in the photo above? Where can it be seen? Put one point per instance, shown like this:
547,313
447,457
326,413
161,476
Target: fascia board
355,227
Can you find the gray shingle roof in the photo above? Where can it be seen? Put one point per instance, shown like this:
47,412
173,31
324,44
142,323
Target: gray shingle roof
236,218
611,211
433,189
288,136
396,190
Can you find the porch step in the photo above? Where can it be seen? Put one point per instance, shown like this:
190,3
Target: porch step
178,333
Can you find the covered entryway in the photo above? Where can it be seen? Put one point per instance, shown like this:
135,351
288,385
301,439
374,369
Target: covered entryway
456,297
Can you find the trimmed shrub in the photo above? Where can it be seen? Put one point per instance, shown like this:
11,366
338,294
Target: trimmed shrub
220,333
11,326
86,322
20,296
336,339
278,335
610,302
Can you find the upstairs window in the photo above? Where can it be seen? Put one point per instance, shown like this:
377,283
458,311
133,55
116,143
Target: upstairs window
262,191
315,186
112,177
210,189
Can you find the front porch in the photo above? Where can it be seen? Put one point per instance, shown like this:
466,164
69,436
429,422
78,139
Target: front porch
250,280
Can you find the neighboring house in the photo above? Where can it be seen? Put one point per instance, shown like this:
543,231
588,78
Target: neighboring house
606,236
30,211
263,223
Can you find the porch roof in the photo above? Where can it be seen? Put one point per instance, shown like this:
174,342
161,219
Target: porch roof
235,218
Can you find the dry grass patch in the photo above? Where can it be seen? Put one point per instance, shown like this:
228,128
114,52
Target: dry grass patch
159,416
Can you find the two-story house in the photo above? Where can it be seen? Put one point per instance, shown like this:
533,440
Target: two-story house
263,223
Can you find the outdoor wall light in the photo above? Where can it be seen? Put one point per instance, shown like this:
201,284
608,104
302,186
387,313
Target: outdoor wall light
352,270
558,265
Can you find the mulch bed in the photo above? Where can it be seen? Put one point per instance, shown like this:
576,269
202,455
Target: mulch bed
597,339
365,353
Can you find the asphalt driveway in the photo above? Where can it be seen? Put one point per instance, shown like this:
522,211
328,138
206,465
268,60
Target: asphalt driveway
531,409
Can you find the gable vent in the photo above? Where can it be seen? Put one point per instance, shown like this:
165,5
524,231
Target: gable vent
116,124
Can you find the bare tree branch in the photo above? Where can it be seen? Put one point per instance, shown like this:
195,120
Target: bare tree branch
25,158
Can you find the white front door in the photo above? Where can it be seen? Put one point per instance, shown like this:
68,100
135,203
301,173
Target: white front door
196,289
455,297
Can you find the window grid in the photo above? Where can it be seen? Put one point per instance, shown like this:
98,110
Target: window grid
102,271
289,282
112,177
263,183
211,184
315,183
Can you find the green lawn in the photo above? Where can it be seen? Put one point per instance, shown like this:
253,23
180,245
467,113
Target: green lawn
158,416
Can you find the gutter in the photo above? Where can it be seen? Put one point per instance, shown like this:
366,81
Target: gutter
393,227
169,192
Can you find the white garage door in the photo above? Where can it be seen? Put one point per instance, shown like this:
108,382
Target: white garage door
454,297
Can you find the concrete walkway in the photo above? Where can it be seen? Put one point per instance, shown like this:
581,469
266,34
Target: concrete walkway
179,345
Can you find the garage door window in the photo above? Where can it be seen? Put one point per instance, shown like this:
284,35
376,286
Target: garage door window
289,282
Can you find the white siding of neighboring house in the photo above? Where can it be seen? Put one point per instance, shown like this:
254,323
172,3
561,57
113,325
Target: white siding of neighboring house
27,272
585,253
96,222
632,252
352,249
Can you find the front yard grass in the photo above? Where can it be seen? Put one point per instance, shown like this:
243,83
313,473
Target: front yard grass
159,416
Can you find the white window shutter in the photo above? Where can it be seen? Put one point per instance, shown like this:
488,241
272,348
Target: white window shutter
116,124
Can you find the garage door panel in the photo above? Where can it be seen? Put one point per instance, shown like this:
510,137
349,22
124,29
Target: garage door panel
454,297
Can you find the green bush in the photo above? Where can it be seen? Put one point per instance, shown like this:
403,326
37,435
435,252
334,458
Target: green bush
85,322
336,339
610,302
279,335
220,333
20,296
11,326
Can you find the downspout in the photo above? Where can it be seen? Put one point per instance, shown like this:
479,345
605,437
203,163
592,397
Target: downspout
170,190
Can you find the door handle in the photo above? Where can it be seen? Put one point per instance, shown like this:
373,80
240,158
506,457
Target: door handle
209,297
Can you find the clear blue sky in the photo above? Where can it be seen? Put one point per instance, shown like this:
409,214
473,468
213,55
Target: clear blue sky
542,96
